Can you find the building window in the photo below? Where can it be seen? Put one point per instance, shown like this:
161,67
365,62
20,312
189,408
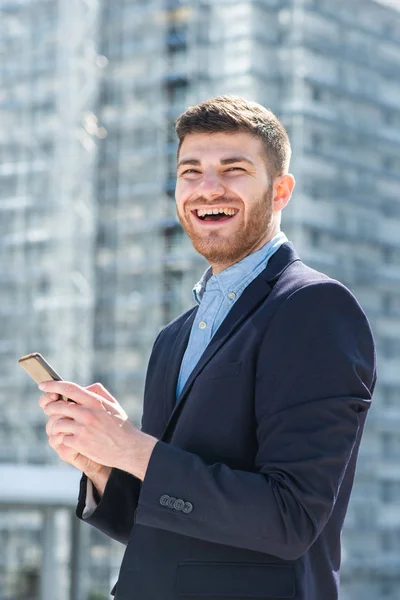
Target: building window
316,141
390,445
388,163
316,94
390,396
390,541
315,238
388,117
177,91
390,491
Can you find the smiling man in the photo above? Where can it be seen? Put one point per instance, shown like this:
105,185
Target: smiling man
238,484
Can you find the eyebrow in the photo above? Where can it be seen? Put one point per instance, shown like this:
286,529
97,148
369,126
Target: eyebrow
224,161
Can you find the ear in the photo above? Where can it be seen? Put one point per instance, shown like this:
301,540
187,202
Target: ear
283,188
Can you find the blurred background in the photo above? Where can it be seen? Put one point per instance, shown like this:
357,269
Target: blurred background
93,261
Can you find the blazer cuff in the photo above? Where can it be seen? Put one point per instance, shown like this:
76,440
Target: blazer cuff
114,512
91,502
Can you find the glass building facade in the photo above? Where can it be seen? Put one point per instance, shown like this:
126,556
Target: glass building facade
94,261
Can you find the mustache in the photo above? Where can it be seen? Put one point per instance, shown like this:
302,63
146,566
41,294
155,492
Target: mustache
225,201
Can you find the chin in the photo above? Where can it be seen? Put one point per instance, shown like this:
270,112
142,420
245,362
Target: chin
218,253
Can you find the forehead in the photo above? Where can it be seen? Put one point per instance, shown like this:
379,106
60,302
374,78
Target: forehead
217,146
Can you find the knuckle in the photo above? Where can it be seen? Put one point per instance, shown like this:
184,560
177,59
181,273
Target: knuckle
78,434
68,409
97,388
50,426
88,417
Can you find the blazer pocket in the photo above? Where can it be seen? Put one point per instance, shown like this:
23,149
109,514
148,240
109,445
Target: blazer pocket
223,370
235,580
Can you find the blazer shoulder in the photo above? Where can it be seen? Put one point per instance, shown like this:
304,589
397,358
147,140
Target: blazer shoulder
308,295
301,287
299,276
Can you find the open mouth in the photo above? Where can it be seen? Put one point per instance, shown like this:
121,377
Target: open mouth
214,215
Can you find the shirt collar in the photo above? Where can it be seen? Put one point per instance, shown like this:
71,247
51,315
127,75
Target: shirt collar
200,287
236,277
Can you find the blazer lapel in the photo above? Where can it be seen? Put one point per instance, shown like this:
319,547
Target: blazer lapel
255,293
176,355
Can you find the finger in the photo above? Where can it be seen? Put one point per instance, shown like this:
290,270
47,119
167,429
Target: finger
55,441
62,408
47,398
65,427
70,390
100,390
69,441
51,424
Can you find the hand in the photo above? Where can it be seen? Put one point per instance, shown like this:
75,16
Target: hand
92,469
96,427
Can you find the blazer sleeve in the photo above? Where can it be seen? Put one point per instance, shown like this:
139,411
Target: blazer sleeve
314,379
115,511
114,514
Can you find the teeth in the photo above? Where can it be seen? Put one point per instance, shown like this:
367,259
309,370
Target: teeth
216,211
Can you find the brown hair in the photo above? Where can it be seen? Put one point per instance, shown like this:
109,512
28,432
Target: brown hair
230,114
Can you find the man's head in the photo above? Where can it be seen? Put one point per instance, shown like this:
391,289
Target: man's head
235,155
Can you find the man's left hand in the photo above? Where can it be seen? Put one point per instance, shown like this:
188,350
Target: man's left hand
96,427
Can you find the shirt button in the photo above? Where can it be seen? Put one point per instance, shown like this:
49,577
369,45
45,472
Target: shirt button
202,324
232,295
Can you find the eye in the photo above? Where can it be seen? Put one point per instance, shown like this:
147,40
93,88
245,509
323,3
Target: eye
189,171
235,169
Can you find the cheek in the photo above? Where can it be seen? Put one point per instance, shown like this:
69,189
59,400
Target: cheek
181,208
180,203
183,195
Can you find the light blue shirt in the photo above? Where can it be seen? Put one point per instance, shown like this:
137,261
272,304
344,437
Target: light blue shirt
215,295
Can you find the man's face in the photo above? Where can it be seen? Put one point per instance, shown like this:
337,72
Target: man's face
224,171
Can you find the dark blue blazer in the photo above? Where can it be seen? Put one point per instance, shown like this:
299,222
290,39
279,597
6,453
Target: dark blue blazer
246,492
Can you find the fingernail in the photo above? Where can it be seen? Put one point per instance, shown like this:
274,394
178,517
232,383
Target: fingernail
42,386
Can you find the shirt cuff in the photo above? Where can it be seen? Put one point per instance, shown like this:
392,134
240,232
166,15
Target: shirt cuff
91,500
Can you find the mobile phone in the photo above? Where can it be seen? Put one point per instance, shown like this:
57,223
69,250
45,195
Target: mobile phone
39,369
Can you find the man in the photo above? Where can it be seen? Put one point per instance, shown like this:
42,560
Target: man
255,399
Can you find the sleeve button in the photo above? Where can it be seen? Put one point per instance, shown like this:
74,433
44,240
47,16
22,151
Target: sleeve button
179,504
188,507
164,500
171,502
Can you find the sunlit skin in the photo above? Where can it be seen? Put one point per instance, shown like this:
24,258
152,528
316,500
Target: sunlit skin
221,170
229,171
94,433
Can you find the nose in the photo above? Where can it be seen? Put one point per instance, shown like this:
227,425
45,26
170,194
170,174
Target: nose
211,186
